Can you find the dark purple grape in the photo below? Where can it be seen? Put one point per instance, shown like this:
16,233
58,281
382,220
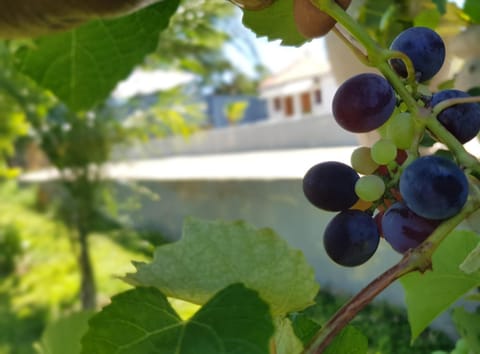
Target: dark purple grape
424,47
331,186
403,229
351,238
462,120
434,187
363,103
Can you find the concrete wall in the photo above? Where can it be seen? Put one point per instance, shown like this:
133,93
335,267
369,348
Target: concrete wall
307,132
278,204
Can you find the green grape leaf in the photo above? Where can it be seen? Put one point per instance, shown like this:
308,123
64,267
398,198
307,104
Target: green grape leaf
441,6
213,254
467,325
275,22
286,342
371,12
474,91
349,341
471,263
429,294
83,66
65,333
472,9
428,18
141,320
381,19
304,326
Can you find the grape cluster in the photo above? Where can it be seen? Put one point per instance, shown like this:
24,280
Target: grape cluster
389,190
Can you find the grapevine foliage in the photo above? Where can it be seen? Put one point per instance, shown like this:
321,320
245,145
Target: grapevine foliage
141,320
247,281
77,65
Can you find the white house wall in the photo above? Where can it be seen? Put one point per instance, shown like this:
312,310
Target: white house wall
326,84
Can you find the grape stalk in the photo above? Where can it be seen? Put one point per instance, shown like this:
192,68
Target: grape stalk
414,200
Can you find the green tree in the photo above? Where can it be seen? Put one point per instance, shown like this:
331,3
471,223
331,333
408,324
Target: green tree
79,137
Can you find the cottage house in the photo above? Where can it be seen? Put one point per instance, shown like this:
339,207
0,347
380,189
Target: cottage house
304,88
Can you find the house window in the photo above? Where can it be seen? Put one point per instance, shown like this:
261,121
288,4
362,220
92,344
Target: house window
277,104
288,102
306,102
318,96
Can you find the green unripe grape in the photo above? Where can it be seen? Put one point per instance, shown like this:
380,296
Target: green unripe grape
401,130
361,161
369,188
384,151
383,129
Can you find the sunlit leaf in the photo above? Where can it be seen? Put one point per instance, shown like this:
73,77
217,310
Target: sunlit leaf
214,254
431,293
286,342
83,66
275,22
65,333
471,264
428,18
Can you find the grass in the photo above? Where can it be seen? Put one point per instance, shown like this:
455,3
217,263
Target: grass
45,282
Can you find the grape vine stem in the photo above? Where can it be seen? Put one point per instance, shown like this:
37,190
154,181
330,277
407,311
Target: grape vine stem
418,259
453,101
343,316
378,57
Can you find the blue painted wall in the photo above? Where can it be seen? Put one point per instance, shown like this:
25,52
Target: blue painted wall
255,111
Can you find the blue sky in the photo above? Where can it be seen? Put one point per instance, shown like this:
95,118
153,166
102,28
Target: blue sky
278,57
274,55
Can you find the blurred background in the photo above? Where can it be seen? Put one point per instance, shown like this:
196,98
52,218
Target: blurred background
216,124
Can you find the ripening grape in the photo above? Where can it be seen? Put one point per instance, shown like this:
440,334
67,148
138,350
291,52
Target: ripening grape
434,187
351,238
401,130
331,186
462,120
370,188
253,4
363,103
362,162
424,47
403,229
378,221
310,21
384,151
